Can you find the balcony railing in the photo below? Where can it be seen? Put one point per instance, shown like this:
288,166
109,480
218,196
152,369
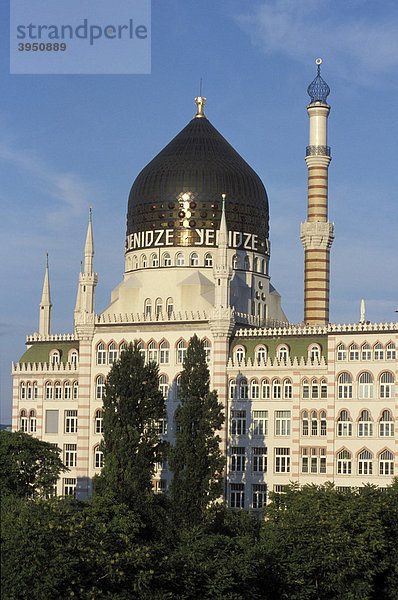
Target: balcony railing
317,151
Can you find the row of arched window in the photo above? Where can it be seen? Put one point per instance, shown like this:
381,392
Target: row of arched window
365,458
263,390
365,424
28,424
163,386
57,390
180,259
156,309
366,352
364,387
55,357
282,353
152,351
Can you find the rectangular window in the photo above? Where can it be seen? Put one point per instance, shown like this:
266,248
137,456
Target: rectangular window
386,429
70,421
282,422
282,460
260,422
69,486
237,495
52,421
238,422
70,455
161,426
238,458
259,460
259,495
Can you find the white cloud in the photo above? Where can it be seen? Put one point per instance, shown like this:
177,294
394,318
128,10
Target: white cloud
355,44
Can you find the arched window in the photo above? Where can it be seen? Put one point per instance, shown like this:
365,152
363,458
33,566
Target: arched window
154,260
29,390
246,263
75,390
254,390
304,423
58,390
164,386
135,262
265,390
365,463
158,308
390,351
365,386
100,387
344,462
386,424
194,260
178,386
22,393
365,425
239,354
260,355
112,356
141,349
180,259
32,422
122,347
323,422
23,421
283,353
255,264
314,353
98,458
164,352
101,354
169,307
324,388
235,262
314,423
54,358
354,352
49,390
232,390
152,352
306,389
366,352
287,389
98,422
144,261
67,390
344,424
166,260
378,352
207,349
35,390
264,267
181,351
386,385
314,389
148,308
243,389
386,463
208,260
73,357
341,352
345,386
276,389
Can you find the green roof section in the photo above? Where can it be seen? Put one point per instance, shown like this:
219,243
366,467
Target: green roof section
39,352
298,346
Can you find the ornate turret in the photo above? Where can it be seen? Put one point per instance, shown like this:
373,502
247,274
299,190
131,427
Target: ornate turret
45,305
85,300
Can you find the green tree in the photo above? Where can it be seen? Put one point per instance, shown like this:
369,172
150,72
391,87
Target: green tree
28,466
196,459
133,406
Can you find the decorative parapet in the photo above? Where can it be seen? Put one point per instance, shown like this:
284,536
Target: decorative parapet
62,337
293,329
302,362
62,368
259,322
180,316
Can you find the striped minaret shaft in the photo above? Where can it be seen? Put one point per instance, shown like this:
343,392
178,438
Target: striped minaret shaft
317,233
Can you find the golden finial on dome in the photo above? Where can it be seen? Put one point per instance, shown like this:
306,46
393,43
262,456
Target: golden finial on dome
200,104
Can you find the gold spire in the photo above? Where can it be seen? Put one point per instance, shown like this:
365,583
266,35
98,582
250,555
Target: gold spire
200,104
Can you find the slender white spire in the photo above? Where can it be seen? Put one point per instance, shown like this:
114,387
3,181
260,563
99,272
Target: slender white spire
89,249
362,320
222,273
45,305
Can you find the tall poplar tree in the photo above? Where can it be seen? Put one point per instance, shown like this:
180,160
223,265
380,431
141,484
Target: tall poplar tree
196,459
133,405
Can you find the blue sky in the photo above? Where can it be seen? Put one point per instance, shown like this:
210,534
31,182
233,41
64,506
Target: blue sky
68,142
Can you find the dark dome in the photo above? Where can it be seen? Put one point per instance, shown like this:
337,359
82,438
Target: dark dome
202,165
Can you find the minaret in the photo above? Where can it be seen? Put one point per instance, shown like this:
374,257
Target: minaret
222,272
45,305
87,278
317,233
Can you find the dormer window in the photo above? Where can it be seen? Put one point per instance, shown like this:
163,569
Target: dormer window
54,358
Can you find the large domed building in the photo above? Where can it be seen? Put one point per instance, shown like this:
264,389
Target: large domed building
311,403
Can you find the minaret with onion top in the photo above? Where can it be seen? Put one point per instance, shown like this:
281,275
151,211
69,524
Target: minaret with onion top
317,233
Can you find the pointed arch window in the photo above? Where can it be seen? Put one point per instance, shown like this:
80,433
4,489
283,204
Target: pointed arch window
180,259
35,390
306,389
141,349
386,463
265,390
75,390
254,390
390,351
323,422
49,390
365,424
365,463
386,424
67,390
314,423
164,386
344,462
341,352
287,389
100,387
207,349
276,389
169,307
98,422
32,422
386,385
181,351
22,393
208,260
232,390
29,391
152,352
112,353
123,347
354,352
23,421
194,259
345,386
164,350
366,352
305,424
344,424
378,352
148,308
314,389
243,389
365,386
58,390
255,264
158,308
324,388
101,354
